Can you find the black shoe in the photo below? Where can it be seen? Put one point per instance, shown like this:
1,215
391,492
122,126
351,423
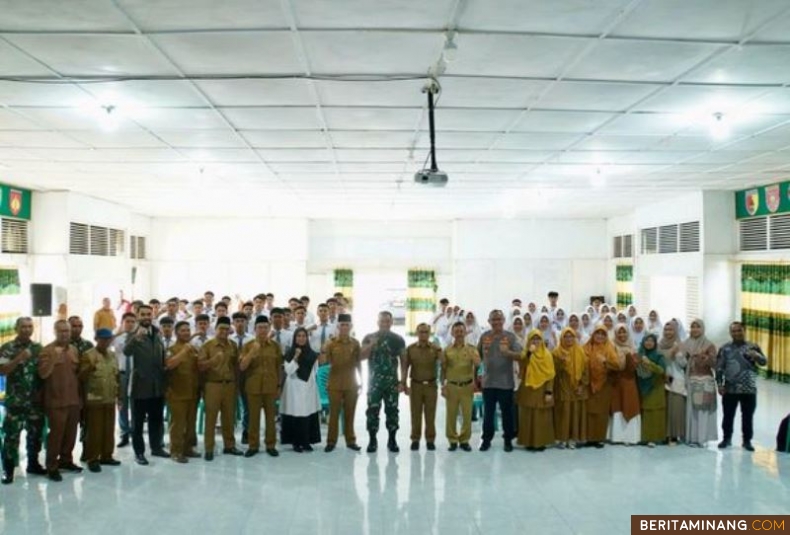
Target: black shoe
272,452
298,448
141,460
110,462
599,445
54,475
209,456
307,447
542,448
748,446
94,467
71,467
123,443
392,443
373,445
485,446
508,446
431,446
245,438
724,444
232,451
36,470
160,453
329,448
453,447
415,446
8,472
353,447
250,453
466,447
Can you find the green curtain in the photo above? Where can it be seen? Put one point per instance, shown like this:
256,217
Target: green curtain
420,298
624,273
344,283
765,311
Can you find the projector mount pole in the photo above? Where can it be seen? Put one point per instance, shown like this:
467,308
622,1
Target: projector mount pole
431,88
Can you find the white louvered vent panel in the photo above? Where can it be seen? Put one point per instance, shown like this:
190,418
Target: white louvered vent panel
689,237
642,297
668,239
137,251
780,231
117,242
649,240
753,234
14,236
692,300
628,246
617,247
78,239
99,241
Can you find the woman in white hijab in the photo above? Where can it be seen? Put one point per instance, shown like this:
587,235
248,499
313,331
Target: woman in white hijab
548,332
575,324
473,330
560,320
654,325
528,324
632,314
622,319
701,386
587,324
609,325
517,328
681,330
638,330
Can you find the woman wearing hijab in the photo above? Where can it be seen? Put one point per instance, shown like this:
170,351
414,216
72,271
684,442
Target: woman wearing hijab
571,390
473,330
587,327
576,326
604,311
701,385
626,426
669,347
518,329
650,378
300,405
632,314
680,329
560,321
602,361
549,335
608,324
622,319
654,324
638,330
528,324
536,395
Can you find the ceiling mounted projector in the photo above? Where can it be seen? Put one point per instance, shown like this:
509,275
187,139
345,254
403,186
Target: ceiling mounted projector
431,176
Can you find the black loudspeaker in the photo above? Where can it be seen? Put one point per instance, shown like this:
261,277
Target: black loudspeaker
41,299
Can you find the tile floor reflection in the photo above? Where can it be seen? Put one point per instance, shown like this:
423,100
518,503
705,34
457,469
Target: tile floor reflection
555,492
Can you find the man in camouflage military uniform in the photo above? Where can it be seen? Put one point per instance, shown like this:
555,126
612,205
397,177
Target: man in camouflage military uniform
384,350
18,362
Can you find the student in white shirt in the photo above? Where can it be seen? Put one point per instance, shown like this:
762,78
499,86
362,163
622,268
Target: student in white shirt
279,333
321,332
309,316
332,304
300,319
166,324
201,329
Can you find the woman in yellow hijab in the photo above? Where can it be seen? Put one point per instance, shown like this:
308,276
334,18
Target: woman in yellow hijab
571,390
535,394
603,361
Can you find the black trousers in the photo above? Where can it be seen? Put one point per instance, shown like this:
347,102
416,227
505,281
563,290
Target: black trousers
151,409
730,403
504,398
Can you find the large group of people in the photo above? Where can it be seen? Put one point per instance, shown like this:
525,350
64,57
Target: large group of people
555,379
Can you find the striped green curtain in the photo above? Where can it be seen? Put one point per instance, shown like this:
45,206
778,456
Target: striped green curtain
624,274
420,298
344,283
765,311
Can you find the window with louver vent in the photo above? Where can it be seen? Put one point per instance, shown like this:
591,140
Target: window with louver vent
78,239
649,240
617,250
137,248
628,246
668,239
779,231
689,237
14,236
100,245
117,242
754,234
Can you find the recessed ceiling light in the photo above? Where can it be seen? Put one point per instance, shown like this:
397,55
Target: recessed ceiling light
719,127
597,179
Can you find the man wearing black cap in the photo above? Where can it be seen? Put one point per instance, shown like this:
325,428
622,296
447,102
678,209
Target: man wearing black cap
343,353
262,365
148,385
218,359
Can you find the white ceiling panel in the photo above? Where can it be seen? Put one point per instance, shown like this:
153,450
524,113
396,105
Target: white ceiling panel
130,138
412,14
10,120
536,141
603,142
201,138
776,30
297,118
513,55
561,121
726,20
496,155
750,64
701,99
594,96
56,15
19,138
295,155
91,54
16,63
219,155
401,93
459,140
133,94
205,14
36,94
354,168
258,92
74,119
647,124
251,52
774,100
470,92
179,118
284,138
371,155
374,139
372,118
480,120
652,61
586,17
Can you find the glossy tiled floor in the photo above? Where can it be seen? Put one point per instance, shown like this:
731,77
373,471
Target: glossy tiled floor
575,492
